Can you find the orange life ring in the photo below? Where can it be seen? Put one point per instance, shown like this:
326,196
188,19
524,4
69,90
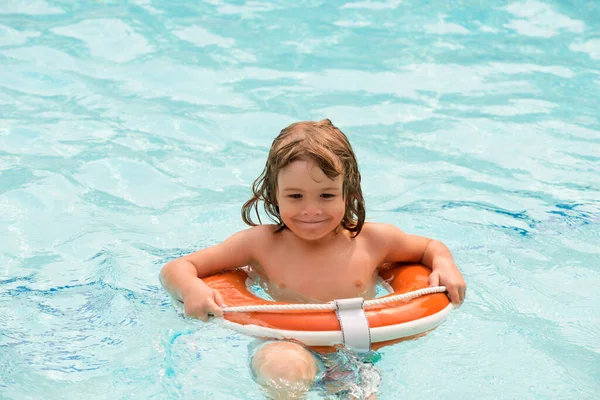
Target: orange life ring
389,323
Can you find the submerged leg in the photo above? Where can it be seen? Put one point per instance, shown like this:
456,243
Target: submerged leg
286,370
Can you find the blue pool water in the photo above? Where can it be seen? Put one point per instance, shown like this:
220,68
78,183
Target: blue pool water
131,131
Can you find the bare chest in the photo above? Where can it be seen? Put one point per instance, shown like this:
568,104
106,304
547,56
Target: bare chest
341,271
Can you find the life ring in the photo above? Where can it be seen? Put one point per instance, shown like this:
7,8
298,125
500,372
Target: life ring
389,323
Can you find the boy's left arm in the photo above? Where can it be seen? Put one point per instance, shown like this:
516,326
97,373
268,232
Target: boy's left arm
400,247
444,271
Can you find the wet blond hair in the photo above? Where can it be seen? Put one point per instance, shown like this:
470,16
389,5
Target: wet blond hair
327,146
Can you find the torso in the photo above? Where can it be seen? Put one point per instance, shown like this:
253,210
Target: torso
296,271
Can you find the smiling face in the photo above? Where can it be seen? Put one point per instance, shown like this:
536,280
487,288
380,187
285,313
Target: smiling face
311,205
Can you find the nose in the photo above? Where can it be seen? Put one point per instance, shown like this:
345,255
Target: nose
311,208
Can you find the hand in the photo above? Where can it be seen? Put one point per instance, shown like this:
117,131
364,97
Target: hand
201,302
447,274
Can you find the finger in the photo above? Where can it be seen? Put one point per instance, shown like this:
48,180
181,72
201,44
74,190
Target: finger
463,294
219,299
194,314
203,318
214,310
454,296
434,279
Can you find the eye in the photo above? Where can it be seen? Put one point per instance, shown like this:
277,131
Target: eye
295,196
327,195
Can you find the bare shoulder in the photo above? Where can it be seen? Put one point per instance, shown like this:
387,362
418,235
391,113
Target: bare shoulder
394,244
261,233
241,248
380,232
378,237
254,236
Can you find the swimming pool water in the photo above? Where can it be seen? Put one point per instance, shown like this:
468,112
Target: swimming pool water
131,131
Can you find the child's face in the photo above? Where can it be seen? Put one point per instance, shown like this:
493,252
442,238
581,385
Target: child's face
310,204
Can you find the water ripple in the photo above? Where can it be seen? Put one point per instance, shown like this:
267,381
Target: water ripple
130,134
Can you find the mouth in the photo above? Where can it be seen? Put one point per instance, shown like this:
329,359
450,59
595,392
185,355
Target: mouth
311,222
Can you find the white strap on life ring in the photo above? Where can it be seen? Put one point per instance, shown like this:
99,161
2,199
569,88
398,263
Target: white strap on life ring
354,324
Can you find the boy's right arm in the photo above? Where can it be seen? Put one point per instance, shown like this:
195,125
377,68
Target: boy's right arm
181,277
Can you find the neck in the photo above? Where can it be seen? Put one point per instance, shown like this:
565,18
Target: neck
329,239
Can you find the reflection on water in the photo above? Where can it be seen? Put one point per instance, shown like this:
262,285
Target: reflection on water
130,134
